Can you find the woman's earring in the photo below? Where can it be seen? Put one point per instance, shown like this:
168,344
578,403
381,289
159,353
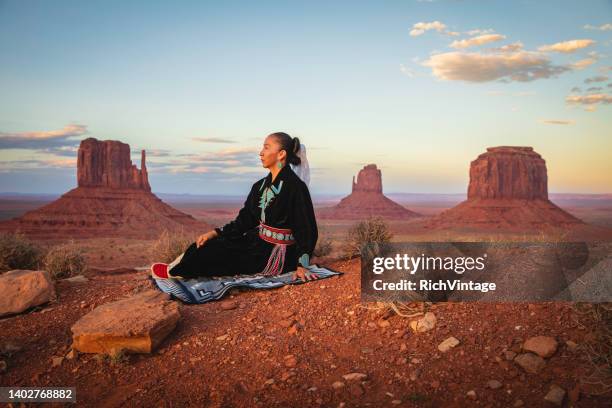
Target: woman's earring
279,165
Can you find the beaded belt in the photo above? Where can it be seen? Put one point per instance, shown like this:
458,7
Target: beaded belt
276,235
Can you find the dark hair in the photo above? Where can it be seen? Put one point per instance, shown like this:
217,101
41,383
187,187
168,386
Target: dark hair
289,144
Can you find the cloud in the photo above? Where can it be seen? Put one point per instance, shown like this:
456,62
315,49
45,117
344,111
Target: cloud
575,89
42,139
479,31
594,89
600,78
212,140
603,27
567,47
556,122
421,27
609,85
406,71
520,66
514,47
53,163
592,99
479,40
583,63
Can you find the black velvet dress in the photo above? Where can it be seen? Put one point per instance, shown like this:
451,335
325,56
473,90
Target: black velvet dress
243,246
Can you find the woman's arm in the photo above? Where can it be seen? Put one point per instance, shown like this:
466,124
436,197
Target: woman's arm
245,219
304,225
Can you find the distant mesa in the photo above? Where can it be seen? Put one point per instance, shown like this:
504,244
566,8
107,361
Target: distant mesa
113,198
366,200
508,190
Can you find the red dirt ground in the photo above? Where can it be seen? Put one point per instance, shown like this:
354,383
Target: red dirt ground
333,334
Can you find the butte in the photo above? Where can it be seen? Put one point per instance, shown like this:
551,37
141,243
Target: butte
508,190
113,198
366,200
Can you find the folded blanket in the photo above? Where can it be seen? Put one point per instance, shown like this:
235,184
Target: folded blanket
202,290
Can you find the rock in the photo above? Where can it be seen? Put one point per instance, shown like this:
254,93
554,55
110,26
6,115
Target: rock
530,362
22,289
396,402
138,324
290,361
113,198
508,188
355,376
108,164
76,279
338,385
518,403
424,324
223,337
286,323
508,172
448,344
544,346
366,200
229,305
56,361
3,366
382,323
356,390
71,354
555,395
472,394
494,384
571,345
509,355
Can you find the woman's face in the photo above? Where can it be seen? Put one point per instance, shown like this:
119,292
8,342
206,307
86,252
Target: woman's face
271,153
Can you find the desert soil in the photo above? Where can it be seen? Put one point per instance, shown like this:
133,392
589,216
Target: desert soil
287,348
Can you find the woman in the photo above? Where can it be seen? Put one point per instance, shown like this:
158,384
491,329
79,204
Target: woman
274,231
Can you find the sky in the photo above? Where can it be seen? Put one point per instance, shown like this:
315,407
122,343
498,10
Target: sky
420,88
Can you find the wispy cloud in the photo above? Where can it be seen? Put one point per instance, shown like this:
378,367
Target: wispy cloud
583,63
514,47
212,140
31,164
599,78
520,66
592,99
42,139
556,122
474,41
567,47
421,27
603,27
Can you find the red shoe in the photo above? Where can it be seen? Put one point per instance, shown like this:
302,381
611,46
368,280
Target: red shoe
160,271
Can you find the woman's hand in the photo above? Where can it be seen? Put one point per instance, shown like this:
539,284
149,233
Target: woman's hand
201,240
305,275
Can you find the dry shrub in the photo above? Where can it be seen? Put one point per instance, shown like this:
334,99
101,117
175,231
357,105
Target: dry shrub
170,245
324,246
597,319
371,232
17,252
64,261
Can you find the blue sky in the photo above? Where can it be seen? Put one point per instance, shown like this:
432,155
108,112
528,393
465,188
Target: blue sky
418,87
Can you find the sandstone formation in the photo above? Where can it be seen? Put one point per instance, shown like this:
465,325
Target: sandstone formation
508,189
366,200
137,324
113,198
23,289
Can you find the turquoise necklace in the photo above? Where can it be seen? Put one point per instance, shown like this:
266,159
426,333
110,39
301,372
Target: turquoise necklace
267,196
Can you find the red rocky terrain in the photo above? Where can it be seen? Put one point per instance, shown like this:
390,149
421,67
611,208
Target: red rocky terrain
113,198
366,200
508,190
304,346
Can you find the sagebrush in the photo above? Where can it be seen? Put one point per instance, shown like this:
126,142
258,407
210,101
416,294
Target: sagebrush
18,252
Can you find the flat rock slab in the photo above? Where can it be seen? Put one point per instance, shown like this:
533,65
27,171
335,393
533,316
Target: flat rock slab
136,324
22,289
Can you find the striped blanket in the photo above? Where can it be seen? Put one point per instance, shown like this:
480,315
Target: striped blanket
202,290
